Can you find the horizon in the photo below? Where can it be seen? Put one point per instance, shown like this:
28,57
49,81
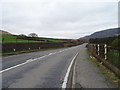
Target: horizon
65,38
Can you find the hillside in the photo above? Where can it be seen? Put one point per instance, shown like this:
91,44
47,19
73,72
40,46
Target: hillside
5,32
104,33
8,38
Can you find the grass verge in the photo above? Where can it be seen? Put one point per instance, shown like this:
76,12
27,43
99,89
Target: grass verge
105,71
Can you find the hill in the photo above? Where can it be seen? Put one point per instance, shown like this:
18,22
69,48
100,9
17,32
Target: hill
5,32
8,38
104,33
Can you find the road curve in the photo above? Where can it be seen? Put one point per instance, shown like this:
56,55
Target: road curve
37,70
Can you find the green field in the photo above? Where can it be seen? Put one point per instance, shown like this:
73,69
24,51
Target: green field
14,38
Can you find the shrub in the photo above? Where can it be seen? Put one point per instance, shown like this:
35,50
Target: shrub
116,43
74,41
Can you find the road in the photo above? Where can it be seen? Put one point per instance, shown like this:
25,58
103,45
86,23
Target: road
38,69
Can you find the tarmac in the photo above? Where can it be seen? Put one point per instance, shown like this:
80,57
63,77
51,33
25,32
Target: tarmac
87,74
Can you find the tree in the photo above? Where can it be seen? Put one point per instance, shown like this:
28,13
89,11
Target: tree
22,35
74,41
33,35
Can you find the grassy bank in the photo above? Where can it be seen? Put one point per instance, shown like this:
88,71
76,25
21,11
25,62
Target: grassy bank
110,76
16,38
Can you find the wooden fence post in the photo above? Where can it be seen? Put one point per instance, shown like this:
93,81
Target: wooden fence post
105,53
14,49
98,49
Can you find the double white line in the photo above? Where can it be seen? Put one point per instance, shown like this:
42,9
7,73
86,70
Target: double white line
64,85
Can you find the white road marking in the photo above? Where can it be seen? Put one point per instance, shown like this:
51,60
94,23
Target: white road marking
60,51
14,67
68,72
50,53
28,61
31,60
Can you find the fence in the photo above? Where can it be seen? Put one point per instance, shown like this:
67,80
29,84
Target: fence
10,47
110,56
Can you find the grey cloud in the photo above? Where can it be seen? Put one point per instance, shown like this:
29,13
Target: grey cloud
53,19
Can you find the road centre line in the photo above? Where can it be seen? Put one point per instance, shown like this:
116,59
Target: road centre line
31,60
64,85
28,61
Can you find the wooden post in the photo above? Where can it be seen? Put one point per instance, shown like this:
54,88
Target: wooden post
14,49
98,49
105,53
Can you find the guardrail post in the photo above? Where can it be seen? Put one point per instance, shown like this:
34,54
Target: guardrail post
98,49
105,46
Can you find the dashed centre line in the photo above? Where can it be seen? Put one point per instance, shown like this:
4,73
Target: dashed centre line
31,60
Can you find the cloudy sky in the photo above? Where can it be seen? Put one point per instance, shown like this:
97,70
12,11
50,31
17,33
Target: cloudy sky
58,18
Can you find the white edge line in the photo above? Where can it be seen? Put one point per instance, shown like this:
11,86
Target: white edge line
68,72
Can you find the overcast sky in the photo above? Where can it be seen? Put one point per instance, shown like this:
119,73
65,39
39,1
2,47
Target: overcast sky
58,18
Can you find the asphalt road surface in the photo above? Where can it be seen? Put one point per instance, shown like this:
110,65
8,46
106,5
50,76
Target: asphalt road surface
38,69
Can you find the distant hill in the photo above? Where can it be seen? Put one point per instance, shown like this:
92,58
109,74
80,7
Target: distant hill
5,32
104,33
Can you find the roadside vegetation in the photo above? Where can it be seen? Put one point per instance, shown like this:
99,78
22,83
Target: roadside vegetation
113,44
109,75
113,56
21,41
110,41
